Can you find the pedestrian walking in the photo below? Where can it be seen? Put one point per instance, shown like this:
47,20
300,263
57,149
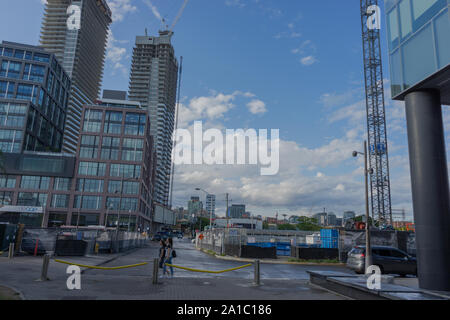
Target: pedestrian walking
170,253
162,253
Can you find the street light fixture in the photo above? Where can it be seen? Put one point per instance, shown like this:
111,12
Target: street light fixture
368,261
210,207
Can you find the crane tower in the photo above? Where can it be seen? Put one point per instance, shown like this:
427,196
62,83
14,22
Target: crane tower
380,188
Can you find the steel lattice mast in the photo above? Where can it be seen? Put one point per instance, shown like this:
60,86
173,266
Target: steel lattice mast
380,188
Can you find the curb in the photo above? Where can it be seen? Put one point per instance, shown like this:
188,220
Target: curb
229,258
21,296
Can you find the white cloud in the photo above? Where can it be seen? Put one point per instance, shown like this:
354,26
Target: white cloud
257,107
115,55
308,61
120,8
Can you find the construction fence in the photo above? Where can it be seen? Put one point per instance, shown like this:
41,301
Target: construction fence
338,242
42,241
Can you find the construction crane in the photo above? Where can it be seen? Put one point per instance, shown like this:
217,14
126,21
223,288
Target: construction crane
177,108
380,188
178,17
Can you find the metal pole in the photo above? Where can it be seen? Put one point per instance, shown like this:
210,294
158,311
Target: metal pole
118,213
257,281
11,251
45,264
81,203
155,270
430,188
368,261
228,222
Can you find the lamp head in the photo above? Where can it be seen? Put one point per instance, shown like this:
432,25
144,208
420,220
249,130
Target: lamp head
355,154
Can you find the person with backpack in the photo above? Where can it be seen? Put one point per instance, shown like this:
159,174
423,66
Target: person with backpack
170,253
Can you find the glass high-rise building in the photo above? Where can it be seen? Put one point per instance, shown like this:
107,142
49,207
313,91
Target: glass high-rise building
34,92
153,83
211,204
80,51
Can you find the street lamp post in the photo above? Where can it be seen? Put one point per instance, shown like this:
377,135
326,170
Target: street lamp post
368,261
81,202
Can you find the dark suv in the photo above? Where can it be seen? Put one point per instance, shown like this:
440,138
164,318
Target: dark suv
389,259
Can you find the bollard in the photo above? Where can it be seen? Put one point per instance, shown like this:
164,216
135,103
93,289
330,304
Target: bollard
257,281
11,251
36,248
45,264
155,271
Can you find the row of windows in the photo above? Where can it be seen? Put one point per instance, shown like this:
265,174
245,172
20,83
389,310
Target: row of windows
134,122
24,91
22,54
409,16
116,170
132,149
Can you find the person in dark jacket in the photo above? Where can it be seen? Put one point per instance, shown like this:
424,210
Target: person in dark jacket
162,253
169,255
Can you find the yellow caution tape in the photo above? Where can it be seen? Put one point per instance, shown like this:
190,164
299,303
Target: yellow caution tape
101,268
205,271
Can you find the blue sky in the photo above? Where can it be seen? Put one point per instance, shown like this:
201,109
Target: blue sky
300,63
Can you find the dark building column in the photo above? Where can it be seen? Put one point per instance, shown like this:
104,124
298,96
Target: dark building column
430,188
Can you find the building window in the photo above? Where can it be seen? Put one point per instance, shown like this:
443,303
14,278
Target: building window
7,89
8,182
41,57
10,69
129,187
85,219
91,169
110,148
125,171
62,184
89,147
92,121
88,202
135,124
90,185
60,201
126,204
6,198
113,122
32,199
24,91
35,182
132,149
11,140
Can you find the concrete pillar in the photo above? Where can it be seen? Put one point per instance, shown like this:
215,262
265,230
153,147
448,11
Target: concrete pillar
430,188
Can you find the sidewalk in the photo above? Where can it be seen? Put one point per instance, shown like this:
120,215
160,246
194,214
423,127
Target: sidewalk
26,269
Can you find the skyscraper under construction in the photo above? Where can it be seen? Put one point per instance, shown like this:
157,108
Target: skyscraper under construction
153,82
81,51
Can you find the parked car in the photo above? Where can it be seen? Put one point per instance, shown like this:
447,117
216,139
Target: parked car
156,237
178,234
390,260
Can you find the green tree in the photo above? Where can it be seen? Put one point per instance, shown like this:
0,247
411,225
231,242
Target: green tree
287,227
201,223
307,226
